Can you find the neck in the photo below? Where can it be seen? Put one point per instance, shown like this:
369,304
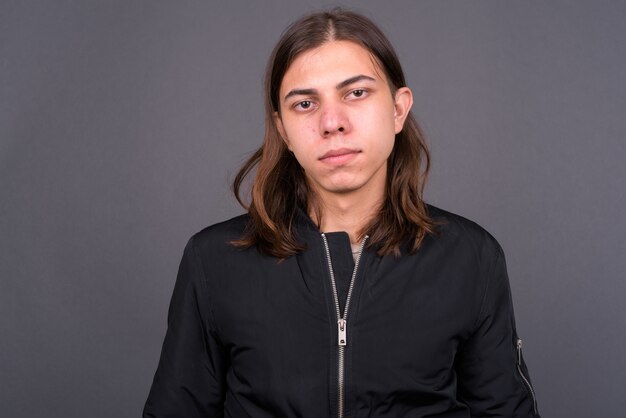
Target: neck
348,212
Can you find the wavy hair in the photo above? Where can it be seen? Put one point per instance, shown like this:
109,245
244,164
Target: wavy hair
279,187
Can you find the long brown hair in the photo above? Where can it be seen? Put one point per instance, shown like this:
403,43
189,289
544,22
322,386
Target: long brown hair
280,188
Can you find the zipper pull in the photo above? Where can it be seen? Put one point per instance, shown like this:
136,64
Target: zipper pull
519,351
342,337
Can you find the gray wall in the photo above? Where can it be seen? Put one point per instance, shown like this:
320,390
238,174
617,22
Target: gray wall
122,122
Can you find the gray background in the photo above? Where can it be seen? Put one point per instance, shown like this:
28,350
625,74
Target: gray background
123,122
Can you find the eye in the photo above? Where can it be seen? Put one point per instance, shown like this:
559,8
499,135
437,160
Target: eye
303,105
358,93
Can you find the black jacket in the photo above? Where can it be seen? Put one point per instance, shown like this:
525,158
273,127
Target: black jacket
428,335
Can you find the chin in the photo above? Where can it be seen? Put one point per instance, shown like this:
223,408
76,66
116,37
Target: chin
343,188
340,183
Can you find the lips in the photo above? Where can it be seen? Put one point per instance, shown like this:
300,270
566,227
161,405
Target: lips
339,156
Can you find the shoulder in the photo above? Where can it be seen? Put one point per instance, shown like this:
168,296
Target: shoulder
459,232
218,237
229,229
216,254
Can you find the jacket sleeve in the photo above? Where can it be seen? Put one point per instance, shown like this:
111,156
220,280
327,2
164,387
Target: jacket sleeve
190,379
492,377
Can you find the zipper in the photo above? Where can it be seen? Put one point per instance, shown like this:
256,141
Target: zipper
524,378
342,323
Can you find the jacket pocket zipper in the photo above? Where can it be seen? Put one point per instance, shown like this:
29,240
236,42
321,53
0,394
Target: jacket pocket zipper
342,324
524,378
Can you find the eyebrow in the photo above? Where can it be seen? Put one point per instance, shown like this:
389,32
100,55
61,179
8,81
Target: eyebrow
344,83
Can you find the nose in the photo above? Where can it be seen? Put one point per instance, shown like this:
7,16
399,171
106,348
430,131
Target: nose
334,120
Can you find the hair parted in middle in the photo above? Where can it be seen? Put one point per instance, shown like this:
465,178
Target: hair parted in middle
280,187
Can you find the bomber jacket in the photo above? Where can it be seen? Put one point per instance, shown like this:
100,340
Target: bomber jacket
428,334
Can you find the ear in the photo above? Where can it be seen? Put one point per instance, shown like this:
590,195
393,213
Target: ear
403,101
281,129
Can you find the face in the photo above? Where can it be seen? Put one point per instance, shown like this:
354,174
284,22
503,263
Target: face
339,118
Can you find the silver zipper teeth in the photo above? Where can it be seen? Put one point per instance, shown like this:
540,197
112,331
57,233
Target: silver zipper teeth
524,378
341,319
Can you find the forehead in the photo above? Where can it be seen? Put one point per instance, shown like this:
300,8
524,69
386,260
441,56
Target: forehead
330,63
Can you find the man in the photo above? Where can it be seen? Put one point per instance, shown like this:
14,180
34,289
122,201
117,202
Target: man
340,293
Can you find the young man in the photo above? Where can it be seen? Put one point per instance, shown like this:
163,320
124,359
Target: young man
340,293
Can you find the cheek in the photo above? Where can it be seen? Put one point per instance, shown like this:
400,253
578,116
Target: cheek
297,130
385,135
382,112
381,123
302,148
301,136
